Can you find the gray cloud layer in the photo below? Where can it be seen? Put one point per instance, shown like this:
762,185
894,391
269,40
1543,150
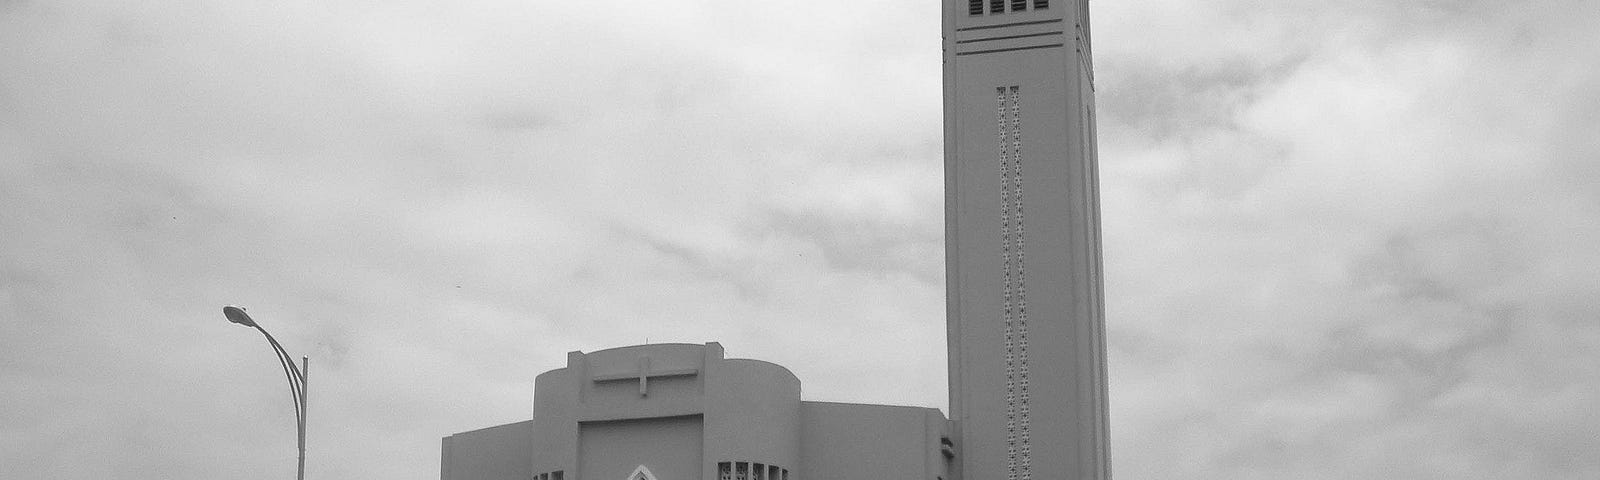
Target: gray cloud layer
1348,239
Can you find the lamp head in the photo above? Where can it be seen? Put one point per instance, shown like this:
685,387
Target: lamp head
236,314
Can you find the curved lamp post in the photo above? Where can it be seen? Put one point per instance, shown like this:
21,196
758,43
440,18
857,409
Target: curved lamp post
297,376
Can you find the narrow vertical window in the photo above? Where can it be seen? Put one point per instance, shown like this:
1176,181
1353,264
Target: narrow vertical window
1003,142
1014,290
1024,434
724,471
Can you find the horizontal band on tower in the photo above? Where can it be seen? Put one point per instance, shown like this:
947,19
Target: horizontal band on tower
997,50
1008,37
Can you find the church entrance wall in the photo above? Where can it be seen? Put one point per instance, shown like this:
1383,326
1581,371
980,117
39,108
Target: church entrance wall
671,448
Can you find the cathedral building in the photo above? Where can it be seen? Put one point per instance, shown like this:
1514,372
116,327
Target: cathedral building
683,411
1025,321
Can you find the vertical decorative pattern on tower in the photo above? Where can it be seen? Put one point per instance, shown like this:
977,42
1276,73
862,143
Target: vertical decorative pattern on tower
1019,448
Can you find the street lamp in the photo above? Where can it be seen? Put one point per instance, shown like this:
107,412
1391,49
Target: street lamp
297,376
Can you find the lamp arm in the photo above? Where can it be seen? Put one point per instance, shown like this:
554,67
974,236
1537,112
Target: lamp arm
296,389
295,378
279,348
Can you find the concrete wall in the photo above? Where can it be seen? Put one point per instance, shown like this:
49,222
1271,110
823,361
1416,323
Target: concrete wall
752,415
494,453
745,410
847,441
603,386
556,408
670,447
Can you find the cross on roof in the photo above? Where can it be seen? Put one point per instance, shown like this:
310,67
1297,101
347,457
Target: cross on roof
644,374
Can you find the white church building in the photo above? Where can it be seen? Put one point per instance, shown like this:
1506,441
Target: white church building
1024,316
683,411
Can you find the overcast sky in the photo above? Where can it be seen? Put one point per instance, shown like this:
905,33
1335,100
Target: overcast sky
1343,239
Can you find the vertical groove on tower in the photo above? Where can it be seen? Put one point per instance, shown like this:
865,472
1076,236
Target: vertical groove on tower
1014,311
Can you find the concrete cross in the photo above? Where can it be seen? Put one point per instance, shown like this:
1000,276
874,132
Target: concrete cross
644,374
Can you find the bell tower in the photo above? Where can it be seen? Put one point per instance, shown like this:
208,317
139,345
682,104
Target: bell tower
1022,230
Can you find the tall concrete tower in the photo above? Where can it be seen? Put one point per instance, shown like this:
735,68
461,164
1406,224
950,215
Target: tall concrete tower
1022,229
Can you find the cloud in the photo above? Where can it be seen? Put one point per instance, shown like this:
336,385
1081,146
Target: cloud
1350,210
1342,239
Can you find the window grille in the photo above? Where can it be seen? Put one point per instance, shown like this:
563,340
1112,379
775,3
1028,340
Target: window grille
997,7
974,7
749,471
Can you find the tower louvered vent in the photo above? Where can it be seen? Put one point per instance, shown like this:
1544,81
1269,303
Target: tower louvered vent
996,7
